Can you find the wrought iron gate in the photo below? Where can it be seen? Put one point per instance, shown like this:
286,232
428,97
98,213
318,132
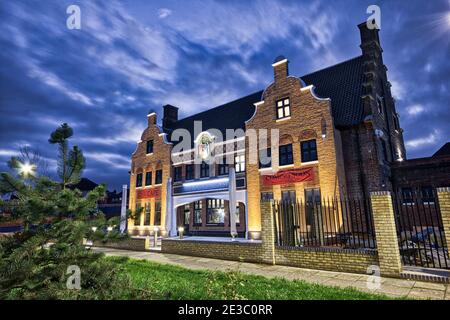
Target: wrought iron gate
419,229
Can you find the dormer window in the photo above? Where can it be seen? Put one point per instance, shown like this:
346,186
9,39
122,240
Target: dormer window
283,108
149,146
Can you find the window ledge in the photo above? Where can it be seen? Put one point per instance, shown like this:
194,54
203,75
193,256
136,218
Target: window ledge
149,154
283,119
265,169
286,166
158,184
309,162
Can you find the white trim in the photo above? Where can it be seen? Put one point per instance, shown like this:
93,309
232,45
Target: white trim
149,154
256,104
157,185
311,88
309,162
286,166
265,169
279,62
150,114
283,119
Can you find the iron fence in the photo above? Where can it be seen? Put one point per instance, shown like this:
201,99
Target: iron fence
330,222
419,229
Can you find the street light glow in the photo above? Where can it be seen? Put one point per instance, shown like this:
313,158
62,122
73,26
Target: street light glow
26,169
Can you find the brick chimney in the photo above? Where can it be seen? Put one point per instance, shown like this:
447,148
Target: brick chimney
280,69
170,115
151,118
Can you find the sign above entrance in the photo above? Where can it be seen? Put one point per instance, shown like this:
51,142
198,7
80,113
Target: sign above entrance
289,176
148,193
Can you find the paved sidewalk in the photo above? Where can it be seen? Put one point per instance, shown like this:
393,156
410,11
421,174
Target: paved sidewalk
391,287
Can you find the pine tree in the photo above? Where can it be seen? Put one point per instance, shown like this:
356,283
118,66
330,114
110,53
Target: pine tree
55,220
70,162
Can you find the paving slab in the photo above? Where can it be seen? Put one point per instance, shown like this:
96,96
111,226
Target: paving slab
432,286
418,293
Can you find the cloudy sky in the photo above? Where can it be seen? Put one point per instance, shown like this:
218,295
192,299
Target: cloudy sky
132,56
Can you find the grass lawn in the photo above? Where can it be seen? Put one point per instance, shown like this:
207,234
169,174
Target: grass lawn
164,281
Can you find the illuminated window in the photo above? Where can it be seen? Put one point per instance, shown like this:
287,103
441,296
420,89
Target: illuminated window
285,154
198,213
148,178
239,163
149,146
157,221
139,180
147,214
309,150
215,212
283,108
187,214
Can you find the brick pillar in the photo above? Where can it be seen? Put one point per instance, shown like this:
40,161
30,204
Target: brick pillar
444,205
386,234
267,232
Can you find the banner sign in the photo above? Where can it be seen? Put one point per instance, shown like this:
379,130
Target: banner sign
289,176
148,193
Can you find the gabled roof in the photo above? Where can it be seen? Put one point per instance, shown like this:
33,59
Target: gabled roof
231,115
341,82
443,151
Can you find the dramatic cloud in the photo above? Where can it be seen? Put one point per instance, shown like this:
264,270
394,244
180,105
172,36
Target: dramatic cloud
132,56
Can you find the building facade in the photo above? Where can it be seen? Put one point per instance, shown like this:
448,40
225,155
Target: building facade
338,134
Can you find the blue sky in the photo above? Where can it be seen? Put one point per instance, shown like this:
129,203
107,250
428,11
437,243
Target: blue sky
132,56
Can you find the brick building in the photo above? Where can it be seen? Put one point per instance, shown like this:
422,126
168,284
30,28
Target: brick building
339,134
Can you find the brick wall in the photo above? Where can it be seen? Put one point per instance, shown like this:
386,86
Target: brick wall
444,203
356,261
245,252
386,234
141,162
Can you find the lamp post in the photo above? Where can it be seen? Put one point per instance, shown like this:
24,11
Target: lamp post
180,232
